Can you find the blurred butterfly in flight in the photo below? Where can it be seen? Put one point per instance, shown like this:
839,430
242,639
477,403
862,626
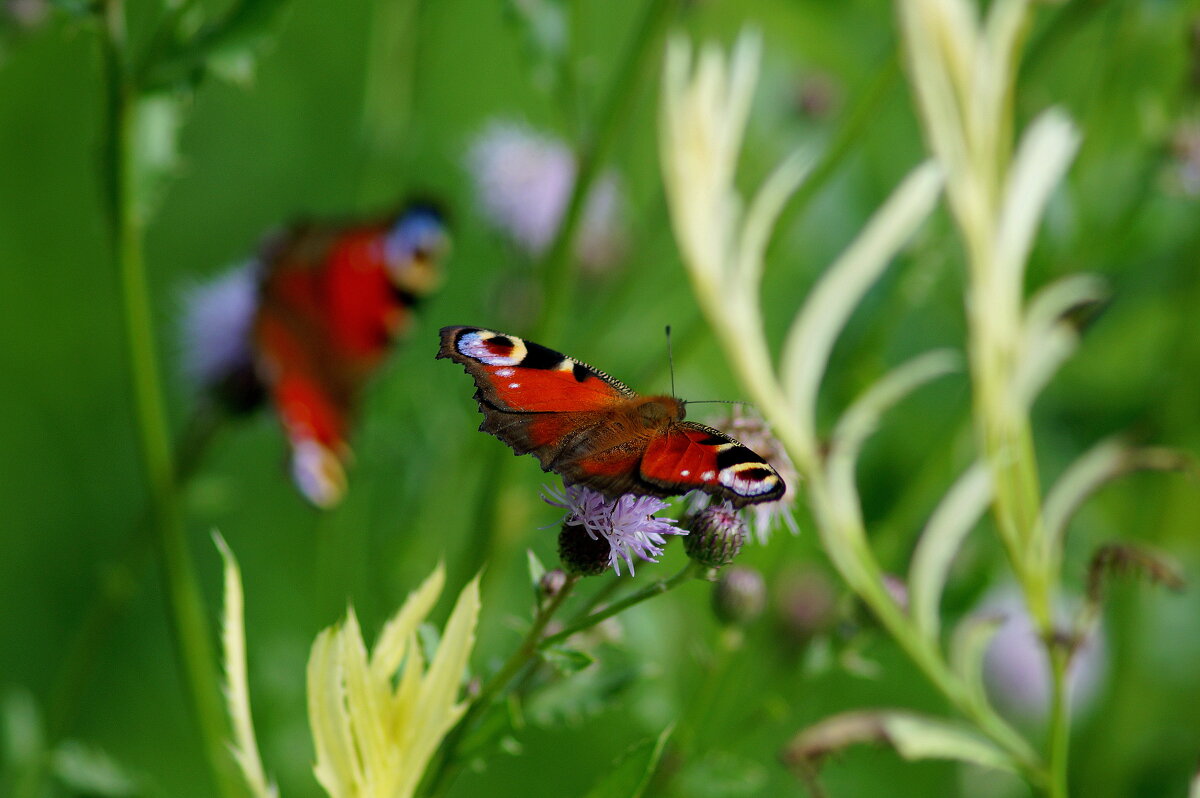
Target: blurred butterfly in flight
308,322
592,430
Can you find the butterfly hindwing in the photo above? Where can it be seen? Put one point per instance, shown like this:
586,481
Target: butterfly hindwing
688,456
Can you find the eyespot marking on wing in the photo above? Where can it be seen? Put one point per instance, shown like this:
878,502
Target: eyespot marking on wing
492,348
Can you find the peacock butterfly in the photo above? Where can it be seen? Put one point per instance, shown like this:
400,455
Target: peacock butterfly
327,300
592,430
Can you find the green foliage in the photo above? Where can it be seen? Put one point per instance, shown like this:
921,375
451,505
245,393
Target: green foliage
286,132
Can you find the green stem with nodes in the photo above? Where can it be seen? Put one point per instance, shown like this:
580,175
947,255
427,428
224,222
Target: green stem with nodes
449,764
186,609
686,574
556,267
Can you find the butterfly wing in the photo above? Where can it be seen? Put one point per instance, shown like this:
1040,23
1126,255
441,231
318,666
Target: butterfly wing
688,456
539,401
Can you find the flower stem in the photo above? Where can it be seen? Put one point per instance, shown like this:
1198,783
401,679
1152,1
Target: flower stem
1060,720
185,607
686,574
556,267
449,764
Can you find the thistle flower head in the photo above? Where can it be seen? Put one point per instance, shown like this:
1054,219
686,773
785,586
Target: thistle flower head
627,524
524,179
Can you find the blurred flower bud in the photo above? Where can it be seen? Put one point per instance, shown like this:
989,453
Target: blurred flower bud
581,553
552,583
1015,668
897,588
1185,158
807,604
818,95
715,535
524,178
739,596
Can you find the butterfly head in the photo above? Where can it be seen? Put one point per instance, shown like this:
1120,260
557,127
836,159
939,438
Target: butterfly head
415,246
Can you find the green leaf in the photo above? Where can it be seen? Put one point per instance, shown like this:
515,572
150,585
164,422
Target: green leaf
722,774
566,660
912,736
89,771
955,516
919,737
536,570
21,732
227,48
631,773
570,701
158,119
967,649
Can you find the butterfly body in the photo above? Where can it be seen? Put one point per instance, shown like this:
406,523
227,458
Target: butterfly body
593,430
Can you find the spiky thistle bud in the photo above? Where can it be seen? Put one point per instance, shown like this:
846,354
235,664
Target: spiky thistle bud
715,535
739,596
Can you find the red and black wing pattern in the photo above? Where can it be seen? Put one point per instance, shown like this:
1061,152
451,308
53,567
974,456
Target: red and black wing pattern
534,399
689,456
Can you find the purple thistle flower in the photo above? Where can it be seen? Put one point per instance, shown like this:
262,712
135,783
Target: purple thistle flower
627,523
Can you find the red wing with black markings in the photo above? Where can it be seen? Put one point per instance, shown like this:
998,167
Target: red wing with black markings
688,456
592,430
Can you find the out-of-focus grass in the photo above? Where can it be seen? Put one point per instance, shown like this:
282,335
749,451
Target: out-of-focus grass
291,144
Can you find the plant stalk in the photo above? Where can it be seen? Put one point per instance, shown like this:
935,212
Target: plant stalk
193,645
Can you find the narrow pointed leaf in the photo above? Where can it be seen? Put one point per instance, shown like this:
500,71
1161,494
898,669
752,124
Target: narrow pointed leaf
237,686
629,777
818,324
953,519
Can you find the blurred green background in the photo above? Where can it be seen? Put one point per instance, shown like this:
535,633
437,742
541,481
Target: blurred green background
297,139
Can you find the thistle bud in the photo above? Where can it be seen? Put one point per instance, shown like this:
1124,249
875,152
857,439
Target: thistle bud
715,535
580,553
739,596
552,583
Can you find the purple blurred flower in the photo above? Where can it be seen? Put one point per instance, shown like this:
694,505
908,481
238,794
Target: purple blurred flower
627,523
1015,668
524,178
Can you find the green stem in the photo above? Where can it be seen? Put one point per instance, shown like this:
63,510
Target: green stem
557,269
1060,720
186,610
449,764
686,574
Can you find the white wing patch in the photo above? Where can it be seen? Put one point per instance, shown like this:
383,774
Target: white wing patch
474,345
731,478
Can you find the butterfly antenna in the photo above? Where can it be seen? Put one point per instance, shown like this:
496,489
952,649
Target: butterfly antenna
670,360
